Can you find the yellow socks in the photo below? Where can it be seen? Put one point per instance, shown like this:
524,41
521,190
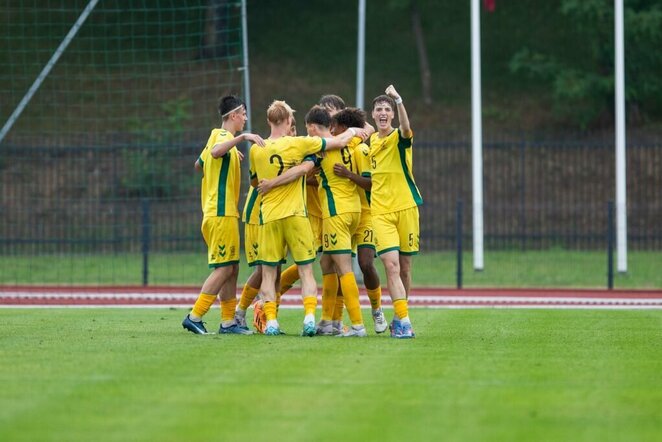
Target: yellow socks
248,295
340,303
227,311
270,310
309,305
288,277
351,294
329,293
202,305
401,308
375,296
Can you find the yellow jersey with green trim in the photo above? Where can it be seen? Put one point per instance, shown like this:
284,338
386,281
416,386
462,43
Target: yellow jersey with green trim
251,213
219,192
338,194
393,186
362,159
270,161
313,199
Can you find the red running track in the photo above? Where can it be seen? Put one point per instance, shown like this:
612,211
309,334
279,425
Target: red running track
184,297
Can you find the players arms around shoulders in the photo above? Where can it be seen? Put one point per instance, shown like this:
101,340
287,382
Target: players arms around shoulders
345,189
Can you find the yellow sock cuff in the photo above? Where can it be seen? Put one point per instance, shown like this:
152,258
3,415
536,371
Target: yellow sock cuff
401,308
203,304
248,295
375,296
288,277
227,309
329,292
309,305
270,310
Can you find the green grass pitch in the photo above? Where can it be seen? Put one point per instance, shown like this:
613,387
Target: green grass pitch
486,374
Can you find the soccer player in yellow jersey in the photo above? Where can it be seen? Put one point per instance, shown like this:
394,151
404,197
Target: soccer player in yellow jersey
219,163
394,201
341,210
283,213
358,170
251,289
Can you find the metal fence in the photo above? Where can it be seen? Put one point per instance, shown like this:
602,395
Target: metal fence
144,199
537,194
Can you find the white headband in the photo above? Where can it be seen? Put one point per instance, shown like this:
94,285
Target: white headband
233,110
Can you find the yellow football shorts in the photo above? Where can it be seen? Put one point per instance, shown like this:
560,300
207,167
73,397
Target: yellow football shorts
338,232
221,234
397,231
251,243
316,226
293,232
364,235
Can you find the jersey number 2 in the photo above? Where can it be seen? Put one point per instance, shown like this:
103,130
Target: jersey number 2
279,159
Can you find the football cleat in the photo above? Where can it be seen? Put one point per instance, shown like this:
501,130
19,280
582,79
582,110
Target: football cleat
259,318
338,328
380,321
402,330
234,329
272,331
195,327
241,321
355,331
309,329
324,328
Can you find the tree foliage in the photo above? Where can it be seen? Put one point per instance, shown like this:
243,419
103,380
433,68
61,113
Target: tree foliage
584,89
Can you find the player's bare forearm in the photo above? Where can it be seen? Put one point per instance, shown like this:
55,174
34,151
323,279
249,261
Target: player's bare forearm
361,181
342,140
405,127
290,175
197,166
221,149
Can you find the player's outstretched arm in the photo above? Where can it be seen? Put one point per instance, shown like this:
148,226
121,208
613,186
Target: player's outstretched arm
221,149
292,174
363,182
342,140
405,128
197,166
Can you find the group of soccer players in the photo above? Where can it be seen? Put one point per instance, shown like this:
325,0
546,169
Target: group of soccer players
346,188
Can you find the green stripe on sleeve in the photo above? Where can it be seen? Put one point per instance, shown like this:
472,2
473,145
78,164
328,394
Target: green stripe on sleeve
403,144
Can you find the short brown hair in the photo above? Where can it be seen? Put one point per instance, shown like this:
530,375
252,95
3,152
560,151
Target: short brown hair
278,112
385,99
350,117
318,115
333,101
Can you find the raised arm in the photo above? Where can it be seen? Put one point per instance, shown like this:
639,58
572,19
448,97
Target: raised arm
221,149
405,128
291,174
342,140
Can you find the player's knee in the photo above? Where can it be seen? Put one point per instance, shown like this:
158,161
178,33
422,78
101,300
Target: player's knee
392,267
366,264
